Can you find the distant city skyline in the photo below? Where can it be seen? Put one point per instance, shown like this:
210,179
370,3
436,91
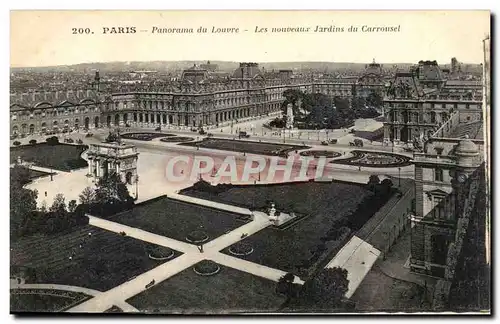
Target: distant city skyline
45,38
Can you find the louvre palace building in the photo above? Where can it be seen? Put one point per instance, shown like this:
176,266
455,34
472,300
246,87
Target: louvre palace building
417,101
201,97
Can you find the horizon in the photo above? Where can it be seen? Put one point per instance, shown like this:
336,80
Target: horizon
436,35
237,62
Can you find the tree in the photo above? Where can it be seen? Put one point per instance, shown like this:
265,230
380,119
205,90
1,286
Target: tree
373,181
19,176
22,204
72,206
59,203
16,143
326,290
110,189
33,142
375,99
87,196
53,140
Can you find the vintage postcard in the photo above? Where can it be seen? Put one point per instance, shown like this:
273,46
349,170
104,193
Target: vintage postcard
242,162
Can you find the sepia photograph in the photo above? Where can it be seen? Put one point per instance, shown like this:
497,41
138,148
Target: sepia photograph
250,162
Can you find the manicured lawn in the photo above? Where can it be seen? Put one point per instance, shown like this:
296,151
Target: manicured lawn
229,290
323,204
176,139
64,157
144,136
43,300
175,219
100,261
246,146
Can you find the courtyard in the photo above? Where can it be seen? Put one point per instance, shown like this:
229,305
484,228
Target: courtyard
180,220
63,157
252,147
227,291
100,261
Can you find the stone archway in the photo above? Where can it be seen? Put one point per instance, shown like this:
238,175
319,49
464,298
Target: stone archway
117,120
32,129
15,129
108,121
128,177
24,128
77,124
96,122
87,122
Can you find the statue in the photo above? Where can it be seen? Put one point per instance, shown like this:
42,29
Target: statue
273,217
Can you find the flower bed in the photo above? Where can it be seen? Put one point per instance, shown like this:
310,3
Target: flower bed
145,136
160,253
375,159
197,237
240,249
176,139
320,153
206,268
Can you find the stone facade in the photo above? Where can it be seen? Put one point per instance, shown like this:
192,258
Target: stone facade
200,98
418,102
441,175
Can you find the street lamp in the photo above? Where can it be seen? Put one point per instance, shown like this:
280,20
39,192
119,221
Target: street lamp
136,187
399,177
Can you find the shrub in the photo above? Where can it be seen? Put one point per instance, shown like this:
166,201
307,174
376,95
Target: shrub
53,140
206,268
33,141
197,237
16,143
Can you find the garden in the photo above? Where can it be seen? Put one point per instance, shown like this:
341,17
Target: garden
375,159
180,220
144,136
57,156
246,146
89,257
176,139
321,153
43,300
327,215
228,290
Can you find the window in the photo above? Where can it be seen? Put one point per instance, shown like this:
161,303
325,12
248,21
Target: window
438,175
439,212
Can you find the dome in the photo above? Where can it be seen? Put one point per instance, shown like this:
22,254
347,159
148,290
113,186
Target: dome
466,147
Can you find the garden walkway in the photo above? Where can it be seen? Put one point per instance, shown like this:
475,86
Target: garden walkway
168,269
90,292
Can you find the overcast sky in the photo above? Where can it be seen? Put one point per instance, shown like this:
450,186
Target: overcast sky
43,38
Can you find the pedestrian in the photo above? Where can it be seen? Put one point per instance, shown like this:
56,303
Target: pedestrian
45,193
